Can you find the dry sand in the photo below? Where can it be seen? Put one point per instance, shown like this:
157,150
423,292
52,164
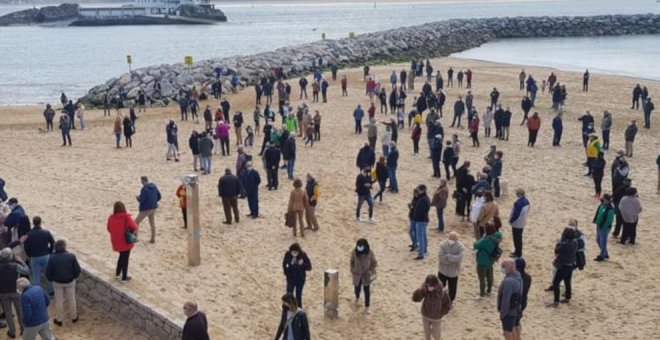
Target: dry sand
240,280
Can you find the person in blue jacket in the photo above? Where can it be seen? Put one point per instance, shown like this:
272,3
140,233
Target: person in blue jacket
251,181
496,172
296,264
148,199
324,90
392,163
12,220
366,157
34,303
358,114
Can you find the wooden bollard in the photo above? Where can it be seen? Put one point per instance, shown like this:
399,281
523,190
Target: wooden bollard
194,229
331,293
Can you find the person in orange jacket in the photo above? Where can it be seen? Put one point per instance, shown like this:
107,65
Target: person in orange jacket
533,125
183,203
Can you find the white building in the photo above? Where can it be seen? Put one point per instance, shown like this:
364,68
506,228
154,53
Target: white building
141,8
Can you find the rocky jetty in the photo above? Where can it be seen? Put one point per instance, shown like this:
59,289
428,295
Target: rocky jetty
46,14
424,41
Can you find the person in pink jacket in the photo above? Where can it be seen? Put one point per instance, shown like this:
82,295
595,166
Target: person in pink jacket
222,133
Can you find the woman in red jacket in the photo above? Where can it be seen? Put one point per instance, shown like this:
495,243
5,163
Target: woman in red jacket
118,223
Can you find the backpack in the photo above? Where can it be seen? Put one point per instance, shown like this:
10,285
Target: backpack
497,251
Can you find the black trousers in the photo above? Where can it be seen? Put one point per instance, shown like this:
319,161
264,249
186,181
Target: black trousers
564,273
224,145
475,138
184,212
317,132
597,184
297,287
367,293
272,178
629,232
451,283
556,138
532,137
619,221
517,241
122,264
416,146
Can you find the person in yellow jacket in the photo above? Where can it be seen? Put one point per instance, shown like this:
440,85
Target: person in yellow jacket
313,193
417,119
593,148
181,195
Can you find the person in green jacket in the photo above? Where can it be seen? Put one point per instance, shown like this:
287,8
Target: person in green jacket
275,137
603,220
291,123
485,248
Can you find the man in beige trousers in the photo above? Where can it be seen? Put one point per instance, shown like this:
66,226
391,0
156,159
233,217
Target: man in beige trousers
148,199
63,270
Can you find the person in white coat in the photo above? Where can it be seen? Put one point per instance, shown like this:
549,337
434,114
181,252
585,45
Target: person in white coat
450,257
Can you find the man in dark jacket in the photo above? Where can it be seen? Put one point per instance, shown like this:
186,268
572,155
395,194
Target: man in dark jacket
229,187
509,298
303,87
3,193
365,157
10,268
63,270
148,199
289,155
11,221
636,94
587,119
251,181
565,259
648,107
206,153
392,163
38,246
557,128
196,326
324,90
494,97
420,218
526,105
363,190
34,304
459,109
631,132
272,159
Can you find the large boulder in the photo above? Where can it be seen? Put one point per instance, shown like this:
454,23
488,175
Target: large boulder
41,15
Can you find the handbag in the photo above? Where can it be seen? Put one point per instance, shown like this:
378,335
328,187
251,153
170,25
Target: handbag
289,219
128,234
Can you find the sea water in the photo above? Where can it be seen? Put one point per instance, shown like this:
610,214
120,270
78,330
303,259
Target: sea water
38,62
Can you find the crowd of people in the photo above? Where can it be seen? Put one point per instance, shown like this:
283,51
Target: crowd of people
476,195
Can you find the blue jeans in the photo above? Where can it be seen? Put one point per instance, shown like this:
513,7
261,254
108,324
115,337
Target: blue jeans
420,231
37,268
206,164
441,219
601,238
412,232
370,202
289,167
394,185
253,203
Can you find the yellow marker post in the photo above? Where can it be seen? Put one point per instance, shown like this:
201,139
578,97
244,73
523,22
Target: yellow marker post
129,61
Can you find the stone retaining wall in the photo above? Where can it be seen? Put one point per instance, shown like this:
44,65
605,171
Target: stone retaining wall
125,306
424,41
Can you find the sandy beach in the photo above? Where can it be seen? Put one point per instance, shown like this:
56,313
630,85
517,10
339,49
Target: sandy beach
240,281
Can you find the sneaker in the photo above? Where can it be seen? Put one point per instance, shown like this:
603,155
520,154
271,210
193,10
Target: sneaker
128,278
599,259
372,221
76,319
419,258
478,298
513,255
358,220
367,311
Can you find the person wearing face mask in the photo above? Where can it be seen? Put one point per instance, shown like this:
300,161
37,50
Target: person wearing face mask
296,264
435,305
12,220
509,298
485,248
293,324
450,258
363,190
439,201
363,268
565,258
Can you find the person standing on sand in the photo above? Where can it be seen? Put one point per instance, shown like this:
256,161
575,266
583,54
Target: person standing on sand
630,208
603,220
509,298
533,126
313,193
526,105
435,305
565,259
485,248
344,86
229,187
196,326
459,109
171,130
381,177
527,284
39,246
129,130
648,107
251,181
183,203
585,81
49,114
496,172
636,94
358,114
558,129
293,323
450,257
630,133
439,201
296,264
597,173
518,222
392,164
118,129
420,219
488,212
63,270
238,123
148,199
272,157
193,143
363,269
65,127
363,190
606,127
118,223
298,204
11,267
80,113
34,304
521,79
587,120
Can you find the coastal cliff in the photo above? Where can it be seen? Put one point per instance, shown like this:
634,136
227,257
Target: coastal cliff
424,41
